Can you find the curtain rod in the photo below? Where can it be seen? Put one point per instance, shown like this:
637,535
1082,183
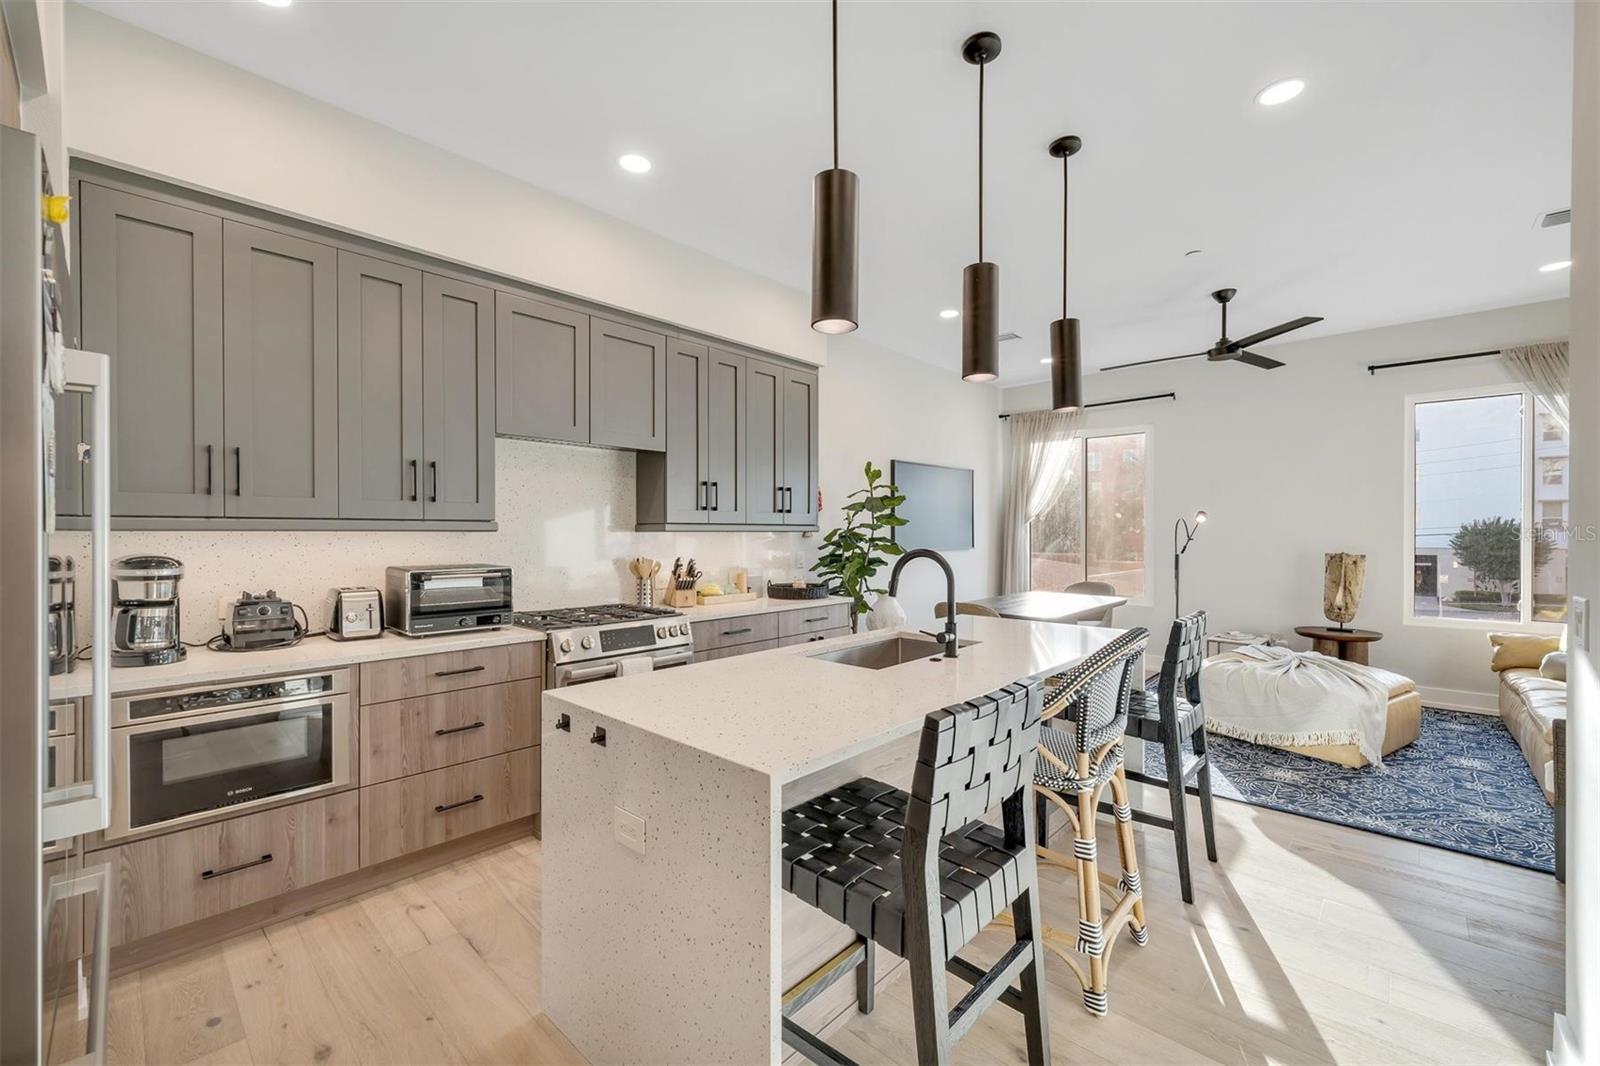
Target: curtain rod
1373,368
1111,403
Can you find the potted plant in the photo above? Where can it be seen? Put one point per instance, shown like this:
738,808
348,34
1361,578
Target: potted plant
853,553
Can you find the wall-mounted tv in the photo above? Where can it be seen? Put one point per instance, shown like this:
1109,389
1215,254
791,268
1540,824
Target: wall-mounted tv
938,507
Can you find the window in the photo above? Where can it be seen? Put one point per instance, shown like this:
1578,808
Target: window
1094,530
1488,505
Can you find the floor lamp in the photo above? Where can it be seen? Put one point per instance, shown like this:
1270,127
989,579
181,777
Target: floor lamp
1177,555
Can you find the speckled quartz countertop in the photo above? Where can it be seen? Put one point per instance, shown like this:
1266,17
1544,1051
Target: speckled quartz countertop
761,606
203,665
786,712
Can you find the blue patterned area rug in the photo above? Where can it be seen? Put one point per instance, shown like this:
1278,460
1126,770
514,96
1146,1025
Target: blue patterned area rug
1463,785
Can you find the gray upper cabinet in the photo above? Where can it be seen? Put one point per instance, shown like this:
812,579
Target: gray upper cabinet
380,389
542,370
725,436
687,484
458,406
151,291
281,369
764,454
627,386
800,447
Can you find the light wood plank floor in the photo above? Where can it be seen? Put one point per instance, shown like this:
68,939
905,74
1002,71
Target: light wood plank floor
1309,943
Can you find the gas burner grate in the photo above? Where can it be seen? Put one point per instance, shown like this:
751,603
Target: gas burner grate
603,614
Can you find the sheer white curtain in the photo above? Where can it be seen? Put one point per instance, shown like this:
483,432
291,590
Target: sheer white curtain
1039,457
1544,368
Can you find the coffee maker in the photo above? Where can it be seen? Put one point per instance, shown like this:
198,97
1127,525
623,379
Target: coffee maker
62,628
144,617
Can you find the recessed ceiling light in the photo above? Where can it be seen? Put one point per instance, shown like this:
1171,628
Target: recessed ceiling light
277,3
1551,268
1280,92
949,312
1045,360
634,164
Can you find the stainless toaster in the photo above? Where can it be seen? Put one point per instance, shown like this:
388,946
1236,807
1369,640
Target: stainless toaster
354,613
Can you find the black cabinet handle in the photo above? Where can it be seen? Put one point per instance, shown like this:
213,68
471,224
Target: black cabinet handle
564,722
206,875
788,500
413,480
463,670
700,496
736,632
598,737
716,497
458,729
210,470
433,479
777,491
820,618
238,471
441,808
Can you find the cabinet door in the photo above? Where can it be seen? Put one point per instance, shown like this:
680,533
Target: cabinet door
688,482
71,477
151,291
280,359
627,386
541,370
725,436
458,406
763,443
380,389
800,447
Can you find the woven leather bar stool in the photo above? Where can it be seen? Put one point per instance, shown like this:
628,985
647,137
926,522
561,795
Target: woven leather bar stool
1076,764
921,875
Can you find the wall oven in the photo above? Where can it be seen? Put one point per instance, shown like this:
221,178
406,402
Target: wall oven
182,756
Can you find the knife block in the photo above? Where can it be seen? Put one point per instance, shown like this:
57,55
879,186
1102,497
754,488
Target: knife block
674,597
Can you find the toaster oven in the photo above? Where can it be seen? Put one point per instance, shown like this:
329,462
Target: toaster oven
420,601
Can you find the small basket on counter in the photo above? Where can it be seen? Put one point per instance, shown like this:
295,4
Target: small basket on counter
814,590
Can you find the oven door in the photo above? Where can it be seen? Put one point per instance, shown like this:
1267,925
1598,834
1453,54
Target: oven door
565,674
435,592
185,770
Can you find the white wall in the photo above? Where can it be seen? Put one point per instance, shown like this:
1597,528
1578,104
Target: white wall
145,102
1299,461
880,405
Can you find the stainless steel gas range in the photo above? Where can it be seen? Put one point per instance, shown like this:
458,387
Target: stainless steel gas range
593,643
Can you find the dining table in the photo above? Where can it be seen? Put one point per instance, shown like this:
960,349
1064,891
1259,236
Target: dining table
1042,605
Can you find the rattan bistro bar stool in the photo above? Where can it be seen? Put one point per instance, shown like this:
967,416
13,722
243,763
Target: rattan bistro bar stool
921,875
1077,762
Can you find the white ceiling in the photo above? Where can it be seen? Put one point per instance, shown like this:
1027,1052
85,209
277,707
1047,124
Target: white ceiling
1402,185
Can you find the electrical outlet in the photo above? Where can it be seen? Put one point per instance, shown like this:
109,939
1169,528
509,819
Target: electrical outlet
628,829
1580,622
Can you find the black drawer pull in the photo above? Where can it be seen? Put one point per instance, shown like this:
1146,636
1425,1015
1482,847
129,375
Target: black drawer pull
598,737
457,729
564,722
736,632
463,670
441,808
206,875
822,618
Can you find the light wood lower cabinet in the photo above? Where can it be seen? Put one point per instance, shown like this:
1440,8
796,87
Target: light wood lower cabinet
429,732
412,813
737,649
426,675
812,638
814,619
171,880
721,633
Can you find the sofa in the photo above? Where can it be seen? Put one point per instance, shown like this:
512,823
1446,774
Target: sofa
1533,705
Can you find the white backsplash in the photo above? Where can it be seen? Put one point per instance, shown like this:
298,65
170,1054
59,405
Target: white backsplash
566,516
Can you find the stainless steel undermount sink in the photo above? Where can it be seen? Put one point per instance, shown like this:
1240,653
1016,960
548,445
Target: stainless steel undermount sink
893,651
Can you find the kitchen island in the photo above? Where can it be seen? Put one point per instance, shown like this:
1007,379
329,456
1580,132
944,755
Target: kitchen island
666,934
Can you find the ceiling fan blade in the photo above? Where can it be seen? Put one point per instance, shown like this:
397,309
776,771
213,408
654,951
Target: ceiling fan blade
1268,334
1148,362
1258,360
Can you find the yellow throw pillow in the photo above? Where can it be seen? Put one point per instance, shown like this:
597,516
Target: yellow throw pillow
1523,651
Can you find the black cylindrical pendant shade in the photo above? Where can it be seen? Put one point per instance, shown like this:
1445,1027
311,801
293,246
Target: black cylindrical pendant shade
833,251
1066,366
980,322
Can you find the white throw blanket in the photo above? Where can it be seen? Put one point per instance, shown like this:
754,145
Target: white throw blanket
1280,697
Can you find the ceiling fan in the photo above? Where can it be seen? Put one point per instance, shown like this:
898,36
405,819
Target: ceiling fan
1226,350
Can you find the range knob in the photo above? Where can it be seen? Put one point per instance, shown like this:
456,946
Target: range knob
683,629
588,642
662,631
566,643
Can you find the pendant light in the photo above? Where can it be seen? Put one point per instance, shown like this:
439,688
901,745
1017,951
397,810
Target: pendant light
1066,361
833,231
980,281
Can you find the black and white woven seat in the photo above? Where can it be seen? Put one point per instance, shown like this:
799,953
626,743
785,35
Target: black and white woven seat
921,874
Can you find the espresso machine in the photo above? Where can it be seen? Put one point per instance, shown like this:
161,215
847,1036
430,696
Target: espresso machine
144,614
62,631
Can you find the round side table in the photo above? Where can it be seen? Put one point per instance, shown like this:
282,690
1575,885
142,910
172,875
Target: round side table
1347,644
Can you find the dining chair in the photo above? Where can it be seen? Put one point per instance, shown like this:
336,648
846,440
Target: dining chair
977,610
1094,588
